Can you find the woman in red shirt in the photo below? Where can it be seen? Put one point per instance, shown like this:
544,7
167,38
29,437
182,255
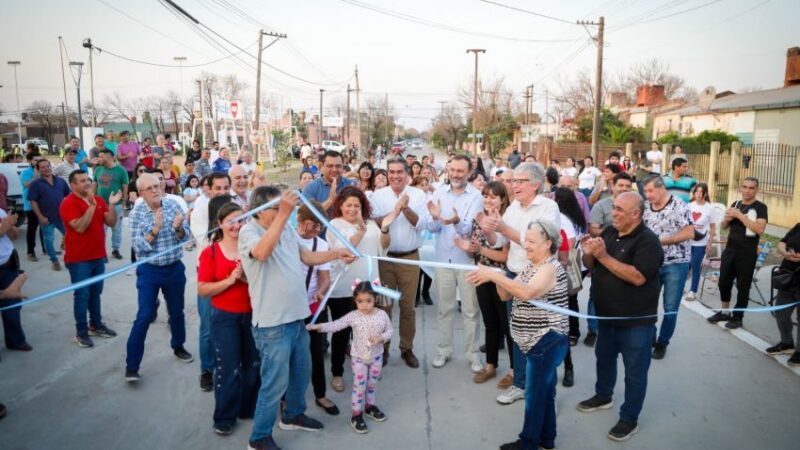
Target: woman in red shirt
220,277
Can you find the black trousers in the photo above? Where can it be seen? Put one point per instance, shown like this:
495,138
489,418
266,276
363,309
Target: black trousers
339,307
495,320
738,265
424,284
30,232
317,348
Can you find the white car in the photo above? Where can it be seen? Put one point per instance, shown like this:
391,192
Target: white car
333,145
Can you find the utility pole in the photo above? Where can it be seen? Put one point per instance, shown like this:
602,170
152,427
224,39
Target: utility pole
598,83
319,128
180,60
527,97
347,115
546,113
79,67
203,111
475,98
64,105
261,49
386,118
14,64
358,114
441,104
87,43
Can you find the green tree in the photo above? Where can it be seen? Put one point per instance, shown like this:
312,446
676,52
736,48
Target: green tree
281,141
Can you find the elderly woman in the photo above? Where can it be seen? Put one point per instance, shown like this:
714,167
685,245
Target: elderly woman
540,333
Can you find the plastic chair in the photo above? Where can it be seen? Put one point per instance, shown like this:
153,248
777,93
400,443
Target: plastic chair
711,271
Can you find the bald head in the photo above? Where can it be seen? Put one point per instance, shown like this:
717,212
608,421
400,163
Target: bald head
567,182
628,212
238,176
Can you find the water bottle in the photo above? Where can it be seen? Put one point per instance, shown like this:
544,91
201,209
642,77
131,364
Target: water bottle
752,215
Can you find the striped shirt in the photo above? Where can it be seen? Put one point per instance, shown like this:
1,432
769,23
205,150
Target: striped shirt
528,322
165,245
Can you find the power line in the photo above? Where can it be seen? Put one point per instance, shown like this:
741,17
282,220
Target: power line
666,16
533,13
439,25
149,63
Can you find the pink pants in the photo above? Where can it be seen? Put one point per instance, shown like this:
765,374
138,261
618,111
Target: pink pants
365,380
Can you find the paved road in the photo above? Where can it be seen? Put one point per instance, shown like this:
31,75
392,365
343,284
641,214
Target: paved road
712,391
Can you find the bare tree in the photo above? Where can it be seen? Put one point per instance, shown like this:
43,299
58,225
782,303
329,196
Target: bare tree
45,114
120,108
232,88
655,72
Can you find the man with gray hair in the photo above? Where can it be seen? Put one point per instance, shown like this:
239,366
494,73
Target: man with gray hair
529,205
671,220
271,256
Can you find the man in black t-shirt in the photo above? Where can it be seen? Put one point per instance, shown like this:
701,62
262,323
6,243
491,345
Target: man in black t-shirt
625,260
745,220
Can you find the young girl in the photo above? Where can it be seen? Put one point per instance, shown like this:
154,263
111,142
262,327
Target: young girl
371,328
191,190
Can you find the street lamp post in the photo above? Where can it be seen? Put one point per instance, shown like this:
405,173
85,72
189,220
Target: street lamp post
475,99
87,43
14,64
180,60
77,65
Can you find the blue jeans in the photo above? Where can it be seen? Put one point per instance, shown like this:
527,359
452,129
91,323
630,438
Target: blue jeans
517,358
673,279
285,369
49,236
634,344
590,310
116,230
539,426
698,253
586,193
88,297
237,378
206,348
12,319
171,281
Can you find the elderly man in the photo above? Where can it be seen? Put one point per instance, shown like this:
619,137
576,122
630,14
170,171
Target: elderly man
406,239
271,256
69,165
626,259
671,221
158,228
746,220
219,184
111,178
202,166
86,215
452,209
239,175
529,204
45,195
247,163
325,188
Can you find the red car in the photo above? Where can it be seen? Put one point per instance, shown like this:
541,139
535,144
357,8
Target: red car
398,148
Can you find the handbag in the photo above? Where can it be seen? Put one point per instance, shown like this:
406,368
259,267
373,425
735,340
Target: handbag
573,269
783,278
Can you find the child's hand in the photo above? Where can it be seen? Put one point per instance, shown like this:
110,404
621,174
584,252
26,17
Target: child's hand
375,340
313,327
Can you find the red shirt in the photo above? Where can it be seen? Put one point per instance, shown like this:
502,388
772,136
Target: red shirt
91,244
214,266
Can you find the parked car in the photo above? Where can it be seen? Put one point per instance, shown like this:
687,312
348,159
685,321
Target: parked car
39,142
398,148
417,145
333,145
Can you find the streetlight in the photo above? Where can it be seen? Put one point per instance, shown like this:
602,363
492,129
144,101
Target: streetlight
180,60
78,66
87,43
14,64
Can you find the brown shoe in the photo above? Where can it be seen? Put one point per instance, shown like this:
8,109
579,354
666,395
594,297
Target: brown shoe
56,266
337,383
484,375
505,382
410,359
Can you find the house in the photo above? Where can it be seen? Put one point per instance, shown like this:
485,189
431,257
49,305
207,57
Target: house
770,115
650,102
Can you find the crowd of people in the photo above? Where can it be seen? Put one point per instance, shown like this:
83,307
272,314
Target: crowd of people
533,234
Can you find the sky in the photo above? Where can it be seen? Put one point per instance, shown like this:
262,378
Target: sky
413,50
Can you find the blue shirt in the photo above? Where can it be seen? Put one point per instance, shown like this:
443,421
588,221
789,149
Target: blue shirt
165,245
468,204
681,188
320,189
80,158
221,165
25,176
49,196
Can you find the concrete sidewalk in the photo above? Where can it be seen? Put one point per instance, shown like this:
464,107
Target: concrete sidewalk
712,390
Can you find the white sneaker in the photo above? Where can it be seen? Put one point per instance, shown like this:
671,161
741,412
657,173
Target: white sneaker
691,296
511,395
440,361
475,364
130,272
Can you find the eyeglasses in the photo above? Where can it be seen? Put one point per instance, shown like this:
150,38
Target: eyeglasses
151,188
520,181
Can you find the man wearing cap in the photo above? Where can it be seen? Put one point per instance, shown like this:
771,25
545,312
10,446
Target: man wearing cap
127,153
69,165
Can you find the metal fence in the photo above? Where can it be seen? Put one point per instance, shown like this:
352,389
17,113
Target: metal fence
773,164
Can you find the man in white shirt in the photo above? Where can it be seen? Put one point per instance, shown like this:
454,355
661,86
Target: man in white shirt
529,204
655,156
247,163
452,208
66,167
406,239
238,175
305,150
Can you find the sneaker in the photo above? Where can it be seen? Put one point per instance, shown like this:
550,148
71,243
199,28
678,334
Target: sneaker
595,403
116,254
102,331
659,350
516,445
358,424
511,395
223,429
781,349
794,360
590,339
482,348
183,355
264,444
56,266
719,317
623,431
130,272
374,413
569,378
84,341
301,422
734,323
131,376
440,361
691,296
475,364
573,340
32,257
206,381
